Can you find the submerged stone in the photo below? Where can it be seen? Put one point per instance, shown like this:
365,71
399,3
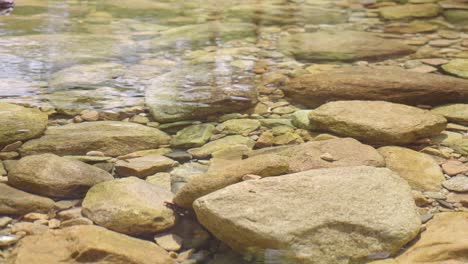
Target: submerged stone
341,46
410,11
198,91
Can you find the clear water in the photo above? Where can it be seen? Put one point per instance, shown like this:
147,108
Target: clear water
139,40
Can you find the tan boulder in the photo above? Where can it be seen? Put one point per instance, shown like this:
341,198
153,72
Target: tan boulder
86,244
20,123
130,206
337,215
54,176
445,241
365,83
377,122
420,170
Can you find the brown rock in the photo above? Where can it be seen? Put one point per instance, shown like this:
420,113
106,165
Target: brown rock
454,167
364,83
54,176
86,244
16,202
444,241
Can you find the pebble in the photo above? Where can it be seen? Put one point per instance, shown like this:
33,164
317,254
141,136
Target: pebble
169,242
435,195
6,241
458,183
94,153
327,157
454,167
90,115
434,62
31,217
250,177
4,221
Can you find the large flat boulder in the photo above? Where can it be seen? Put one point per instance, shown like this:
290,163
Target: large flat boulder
365,83
274,161
130,206
377,122
197,91
420,170
17,202
112,138
341,46
444,241
410,11
20,123
54,176
86,244
338,215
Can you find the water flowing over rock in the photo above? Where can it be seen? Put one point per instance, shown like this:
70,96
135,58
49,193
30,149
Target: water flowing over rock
199,34
20,123
377,122
276,161
196,92
295,216
130,206
365,83
51,175
16,202
444,241
341,46
87,244
109,137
